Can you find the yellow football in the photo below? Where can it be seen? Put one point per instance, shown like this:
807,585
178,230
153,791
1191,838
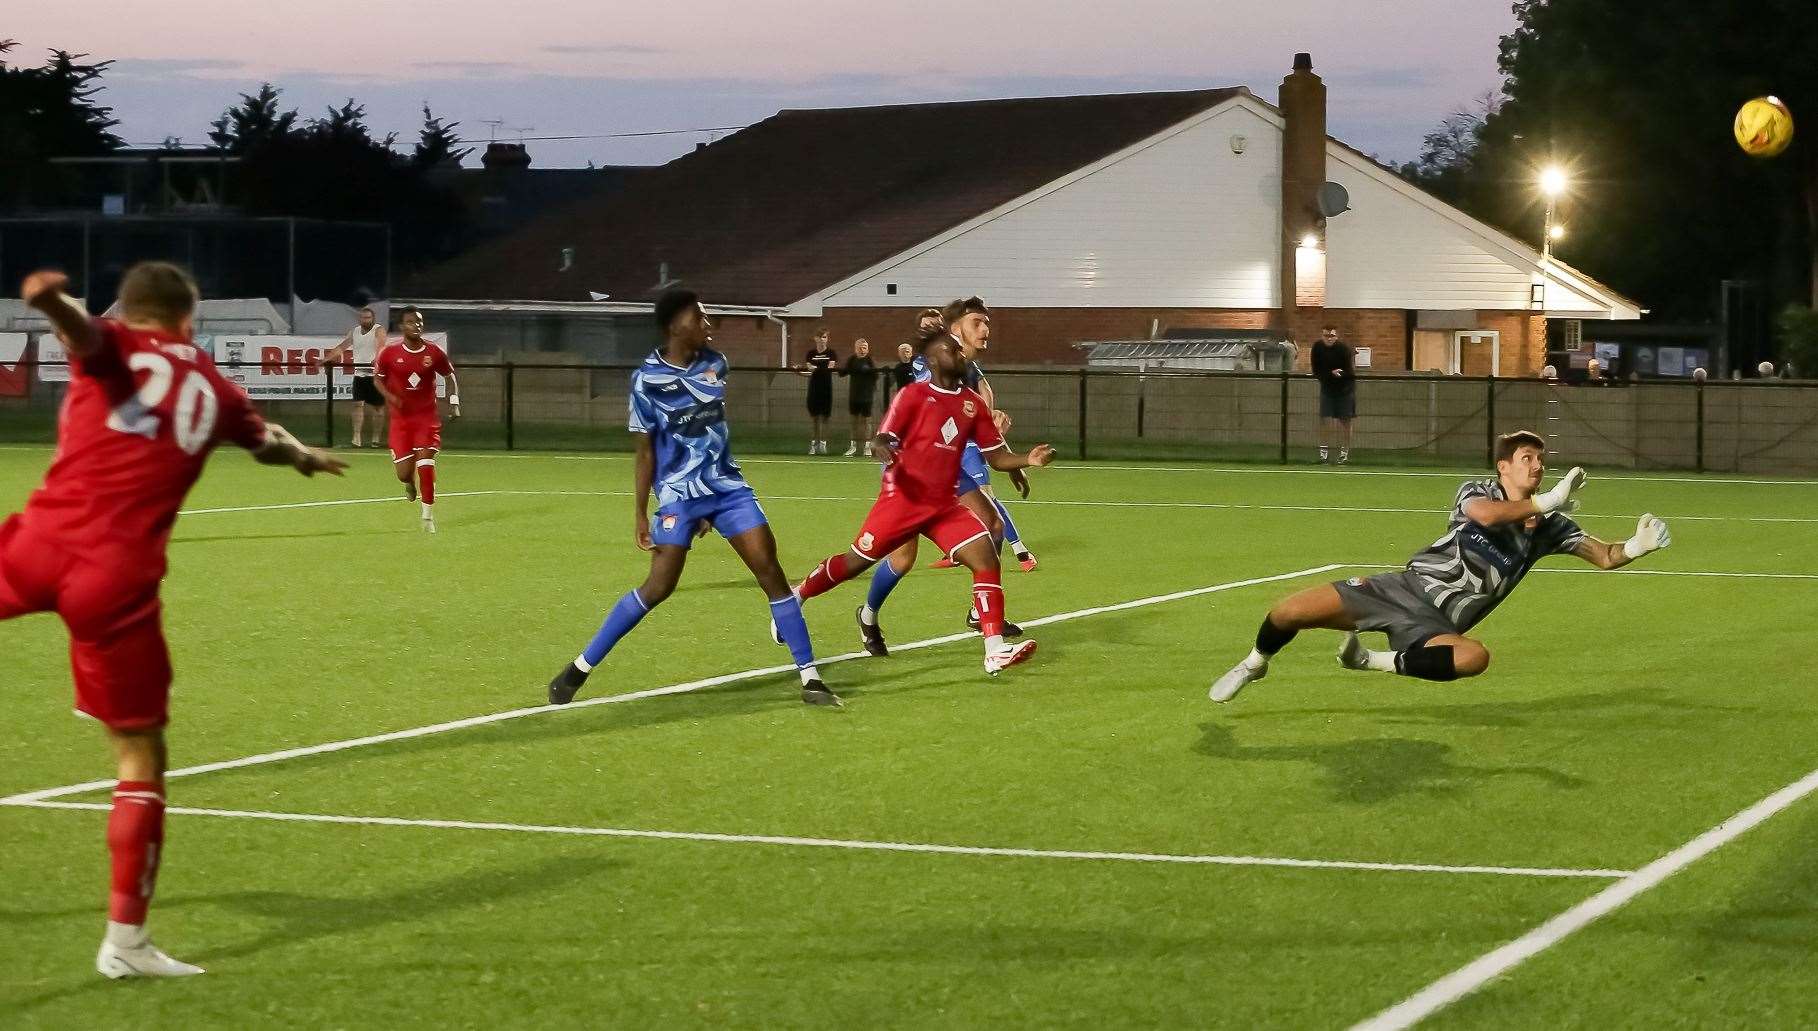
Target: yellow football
1764,127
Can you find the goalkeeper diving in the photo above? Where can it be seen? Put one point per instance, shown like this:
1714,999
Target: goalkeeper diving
1499,529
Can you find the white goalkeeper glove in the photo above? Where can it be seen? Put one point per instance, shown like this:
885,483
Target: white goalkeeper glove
1559,499
1651,534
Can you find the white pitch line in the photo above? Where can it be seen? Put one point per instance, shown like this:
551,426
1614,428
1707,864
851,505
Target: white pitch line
1087,466
1486,968
29,797
1212,505
871,846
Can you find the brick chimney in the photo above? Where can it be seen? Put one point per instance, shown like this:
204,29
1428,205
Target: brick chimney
1303,171
505,157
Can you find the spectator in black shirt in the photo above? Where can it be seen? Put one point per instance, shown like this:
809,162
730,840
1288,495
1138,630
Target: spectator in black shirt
819,368
902,373
861,375
1334,365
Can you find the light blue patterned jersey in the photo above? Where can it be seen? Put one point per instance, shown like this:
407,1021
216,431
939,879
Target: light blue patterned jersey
684,412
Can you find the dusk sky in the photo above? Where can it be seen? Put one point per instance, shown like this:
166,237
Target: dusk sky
579,68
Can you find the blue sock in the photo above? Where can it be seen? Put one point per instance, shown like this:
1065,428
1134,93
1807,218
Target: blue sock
1011,537
883,580
789,622
619,622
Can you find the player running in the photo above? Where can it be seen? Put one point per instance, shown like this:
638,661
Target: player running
684,450
920,443
363,343
144,410
1499,529
975,475
406,376
967,321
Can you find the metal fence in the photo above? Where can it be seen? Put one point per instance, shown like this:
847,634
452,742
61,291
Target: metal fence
1765,427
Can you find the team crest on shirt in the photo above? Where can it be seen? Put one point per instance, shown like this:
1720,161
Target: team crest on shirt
426,361
865,541
968,408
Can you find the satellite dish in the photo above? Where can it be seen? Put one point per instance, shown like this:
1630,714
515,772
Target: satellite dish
1333,200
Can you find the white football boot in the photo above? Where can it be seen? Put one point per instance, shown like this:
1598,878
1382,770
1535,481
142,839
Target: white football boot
1352,654
141,960
1241,676
1011,655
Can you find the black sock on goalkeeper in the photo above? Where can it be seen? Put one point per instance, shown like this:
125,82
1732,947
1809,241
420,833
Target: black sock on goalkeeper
1427,663
1271,638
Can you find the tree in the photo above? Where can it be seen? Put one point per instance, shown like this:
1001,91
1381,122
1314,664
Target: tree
254,122
437,144
49,111
1636,99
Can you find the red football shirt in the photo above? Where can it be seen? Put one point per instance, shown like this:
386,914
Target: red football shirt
933,426
411,374
137,426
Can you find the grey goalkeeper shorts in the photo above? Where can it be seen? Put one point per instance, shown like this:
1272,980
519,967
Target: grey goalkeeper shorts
1394,604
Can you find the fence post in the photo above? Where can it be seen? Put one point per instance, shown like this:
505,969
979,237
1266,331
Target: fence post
1700,388
1284,416
1082,413
1489,429
511,422
328,406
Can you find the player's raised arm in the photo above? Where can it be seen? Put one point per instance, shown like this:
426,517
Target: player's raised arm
334,353
1651,535
281,448
1005,460
1488,512
47,291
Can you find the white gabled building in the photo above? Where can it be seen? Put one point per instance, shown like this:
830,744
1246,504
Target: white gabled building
1077,218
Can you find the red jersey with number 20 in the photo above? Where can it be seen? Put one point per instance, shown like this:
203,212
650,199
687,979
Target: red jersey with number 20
137,426
411,374
933,426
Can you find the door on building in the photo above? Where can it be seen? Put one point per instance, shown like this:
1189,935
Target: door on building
1477,351
1436,350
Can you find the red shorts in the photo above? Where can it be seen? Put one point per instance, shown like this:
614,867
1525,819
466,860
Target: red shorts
895,521
412,433
108,598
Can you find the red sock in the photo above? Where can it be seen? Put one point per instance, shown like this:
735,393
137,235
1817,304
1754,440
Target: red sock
426,480
988,595
826,577
135,836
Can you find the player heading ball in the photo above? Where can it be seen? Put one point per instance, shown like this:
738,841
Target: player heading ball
1499,529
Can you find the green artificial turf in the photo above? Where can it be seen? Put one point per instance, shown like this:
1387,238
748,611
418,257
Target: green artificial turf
1623,715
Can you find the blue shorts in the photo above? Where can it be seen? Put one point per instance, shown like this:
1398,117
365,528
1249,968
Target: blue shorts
731,514
974,473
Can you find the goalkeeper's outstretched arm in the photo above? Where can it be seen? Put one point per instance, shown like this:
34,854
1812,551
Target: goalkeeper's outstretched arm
1651,535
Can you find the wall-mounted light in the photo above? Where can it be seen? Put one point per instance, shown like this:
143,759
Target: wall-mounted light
1310,242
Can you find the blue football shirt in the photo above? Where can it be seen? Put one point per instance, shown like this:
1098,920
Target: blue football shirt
684,412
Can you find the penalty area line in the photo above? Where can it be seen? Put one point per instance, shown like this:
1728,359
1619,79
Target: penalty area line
1491,965
871,846
657,692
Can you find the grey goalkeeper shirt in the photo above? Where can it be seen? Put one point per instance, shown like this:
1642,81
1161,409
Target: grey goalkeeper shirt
1470,570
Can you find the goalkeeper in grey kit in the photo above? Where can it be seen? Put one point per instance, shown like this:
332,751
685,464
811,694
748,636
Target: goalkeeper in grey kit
1499,529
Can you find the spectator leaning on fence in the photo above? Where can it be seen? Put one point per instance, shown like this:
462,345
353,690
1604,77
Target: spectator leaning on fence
819,370
1334,365
861,387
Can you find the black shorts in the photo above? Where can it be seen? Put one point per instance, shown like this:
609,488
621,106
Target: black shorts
820,399
1338,406
861,404
366,392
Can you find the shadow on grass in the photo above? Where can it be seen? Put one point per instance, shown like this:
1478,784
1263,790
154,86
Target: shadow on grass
1622,706
1366,771
291,918
238,537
